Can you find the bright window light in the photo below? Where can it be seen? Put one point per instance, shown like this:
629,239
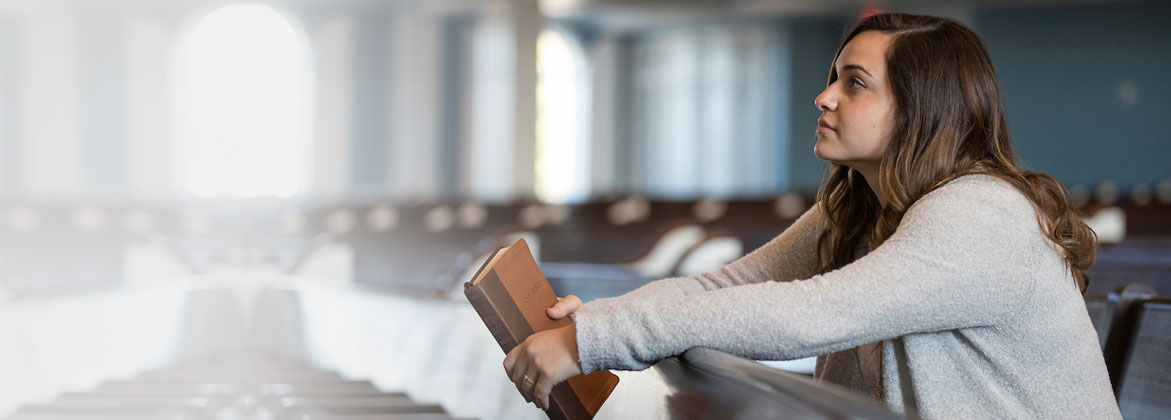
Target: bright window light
242,105
563,154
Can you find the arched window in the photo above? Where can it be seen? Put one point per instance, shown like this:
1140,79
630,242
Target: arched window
563,152
242,109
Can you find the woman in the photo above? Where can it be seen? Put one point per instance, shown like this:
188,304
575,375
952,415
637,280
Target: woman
933,274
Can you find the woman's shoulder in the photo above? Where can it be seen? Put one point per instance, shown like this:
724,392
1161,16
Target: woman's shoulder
978,196
982,183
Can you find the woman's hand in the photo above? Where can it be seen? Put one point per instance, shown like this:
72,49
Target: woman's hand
564,307
546,358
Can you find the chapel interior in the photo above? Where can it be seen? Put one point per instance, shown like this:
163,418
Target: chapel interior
268,209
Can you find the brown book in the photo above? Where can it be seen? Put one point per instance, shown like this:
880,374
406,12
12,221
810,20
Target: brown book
511,295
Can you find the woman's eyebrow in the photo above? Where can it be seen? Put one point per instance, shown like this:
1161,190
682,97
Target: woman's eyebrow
856,67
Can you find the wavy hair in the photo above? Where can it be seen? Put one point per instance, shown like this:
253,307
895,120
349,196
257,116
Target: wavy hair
949,122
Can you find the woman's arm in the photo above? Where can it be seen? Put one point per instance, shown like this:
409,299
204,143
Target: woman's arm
960,258
789,256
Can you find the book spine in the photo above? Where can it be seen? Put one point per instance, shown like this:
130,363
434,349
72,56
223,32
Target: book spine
489,312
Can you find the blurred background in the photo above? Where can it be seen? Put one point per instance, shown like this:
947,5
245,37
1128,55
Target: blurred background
185,181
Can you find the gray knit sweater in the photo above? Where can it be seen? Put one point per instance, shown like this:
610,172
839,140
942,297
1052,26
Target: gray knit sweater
974,311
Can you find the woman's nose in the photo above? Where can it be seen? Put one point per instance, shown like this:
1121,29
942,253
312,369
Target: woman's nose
825,101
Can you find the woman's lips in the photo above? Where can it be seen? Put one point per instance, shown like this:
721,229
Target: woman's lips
823,126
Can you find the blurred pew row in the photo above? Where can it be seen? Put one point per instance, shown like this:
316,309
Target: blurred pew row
430,246
295,348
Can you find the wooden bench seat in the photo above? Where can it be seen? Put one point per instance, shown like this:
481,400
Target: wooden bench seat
1144,390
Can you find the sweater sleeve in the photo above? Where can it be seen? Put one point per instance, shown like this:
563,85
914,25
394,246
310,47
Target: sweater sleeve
789,256
959,259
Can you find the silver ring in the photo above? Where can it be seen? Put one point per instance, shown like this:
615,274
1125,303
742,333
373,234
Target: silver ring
528,379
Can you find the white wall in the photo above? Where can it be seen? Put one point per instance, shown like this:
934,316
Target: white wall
149,40
415,152
330,150
50,97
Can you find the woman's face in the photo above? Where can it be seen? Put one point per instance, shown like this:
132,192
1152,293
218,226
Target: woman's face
857,109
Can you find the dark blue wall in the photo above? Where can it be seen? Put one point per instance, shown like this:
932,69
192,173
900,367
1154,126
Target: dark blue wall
1061,69
814,42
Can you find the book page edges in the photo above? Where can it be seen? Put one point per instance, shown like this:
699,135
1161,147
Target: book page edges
487,263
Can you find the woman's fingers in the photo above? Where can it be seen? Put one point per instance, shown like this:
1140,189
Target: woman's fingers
510,361
516,366
564,306
541,391
529,385
543,360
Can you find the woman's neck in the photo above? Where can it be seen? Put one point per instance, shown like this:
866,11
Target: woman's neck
871,176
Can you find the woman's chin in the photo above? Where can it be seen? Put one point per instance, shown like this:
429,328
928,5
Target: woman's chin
819,151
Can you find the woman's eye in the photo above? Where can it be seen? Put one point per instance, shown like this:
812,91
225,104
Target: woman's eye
854,82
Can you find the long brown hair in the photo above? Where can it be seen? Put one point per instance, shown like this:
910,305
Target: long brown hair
949,123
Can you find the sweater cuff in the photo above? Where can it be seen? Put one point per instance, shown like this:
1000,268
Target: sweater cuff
596,343
587,342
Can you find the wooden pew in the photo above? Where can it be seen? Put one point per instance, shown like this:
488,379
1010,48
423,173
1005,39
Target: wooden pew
347,388
1144,388
704,383
1101,310
755,222
46,250
590,236
410,254
410,416
595,280
1135,260
1122,327
1144,255
241,386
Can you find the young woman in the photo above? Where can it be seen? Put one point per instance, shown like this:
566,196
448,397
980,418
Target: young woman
933,274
